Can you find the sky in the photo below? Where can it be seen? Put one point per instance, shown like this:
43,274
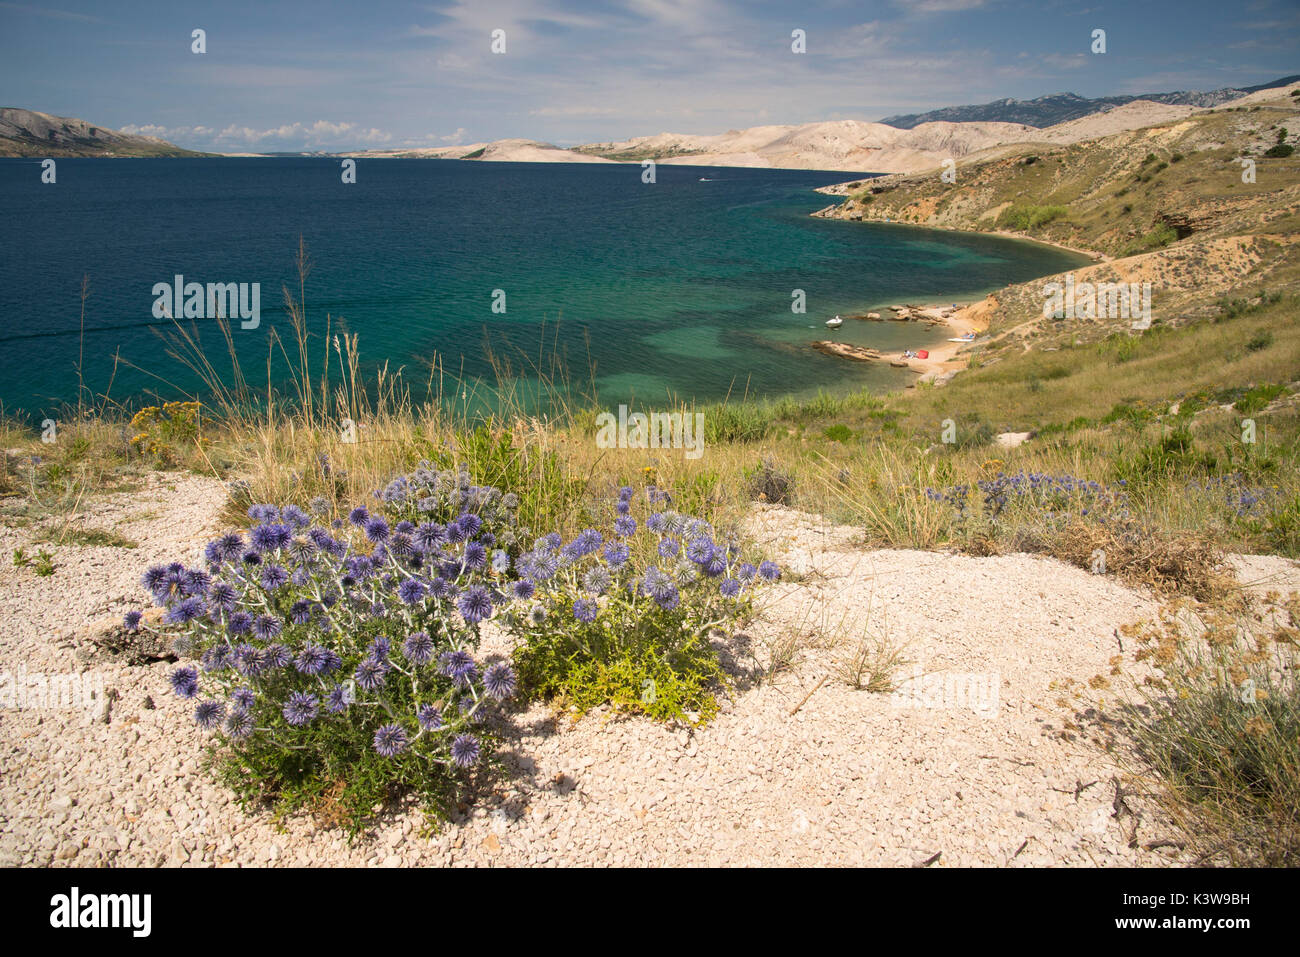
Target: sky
329,75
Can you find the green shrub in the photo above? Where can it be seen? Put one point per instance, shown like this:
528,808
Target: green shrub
629,625
1028,218
838,433
769,483
1173,454
338,668
1219,727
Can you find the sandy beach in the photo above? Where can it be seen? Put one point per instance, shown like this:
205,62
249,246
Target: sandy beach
943,358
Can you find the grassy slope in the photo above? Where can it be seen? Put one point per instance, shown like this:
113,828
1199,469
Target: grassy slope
1125,196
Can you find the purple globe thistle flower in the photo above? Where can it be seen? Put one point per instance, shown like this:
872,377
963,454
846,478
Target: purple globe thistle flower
588,541
249,660
746,573
312,660
301,708
185,682
278,656
401,545
294,516
429,536
300,612
616,554
263,513
700,550
625,525
418,648
717,563
302,550
131,620
596,580
251,559
239,724
465,750
454,533
668,548
359,515
622,507
439,588
657,522
267,627
625,493
475,604
523,589
379,648
239,623
274,577
657,584
391,740
264,538
377,530
475,556
209,714
185,611
411,591
339,698
153,578
499,681
231,546
429,717
242,699
669,600
469,524
196,582
544,566
500,561
224,596
584,610
458,665
729,588
769,570
216,658
371,674
548,542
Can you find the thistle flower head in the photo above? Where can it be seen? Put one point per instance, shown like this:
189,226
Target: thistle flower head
391,740
499,680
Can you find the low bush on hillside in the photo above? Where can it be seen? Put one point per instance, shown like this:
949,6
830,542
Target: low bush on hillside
624,616
1028,218
1215,717
336,660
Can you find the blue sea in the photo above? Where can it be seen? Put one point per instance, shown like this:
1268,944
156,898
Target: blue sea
678,289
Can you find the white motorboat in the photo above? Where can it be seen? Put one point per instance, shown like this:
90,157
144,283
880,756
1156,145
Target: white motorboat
835,323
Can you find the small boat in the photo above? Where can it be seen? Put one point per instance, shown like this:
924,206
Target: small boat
969,337
835,323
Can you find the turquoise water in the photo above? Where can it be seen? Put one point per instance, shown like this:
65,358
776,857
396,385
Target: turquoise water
679,288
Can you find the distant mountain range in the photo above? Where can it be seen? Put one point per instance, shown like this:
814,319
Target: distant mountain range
1063,107
897,144
28,133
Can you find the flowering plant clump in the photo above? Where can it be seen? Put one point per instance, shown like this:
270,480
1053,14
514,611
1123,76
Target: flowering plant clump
1054,497
339,659
623,615
159,430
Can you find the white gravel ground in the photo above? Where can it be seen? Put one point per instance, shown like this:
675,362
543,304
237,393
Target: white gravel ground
851,777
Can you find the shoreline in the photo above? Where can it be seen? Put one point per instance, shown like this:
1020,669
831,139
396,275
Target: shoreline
944,357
